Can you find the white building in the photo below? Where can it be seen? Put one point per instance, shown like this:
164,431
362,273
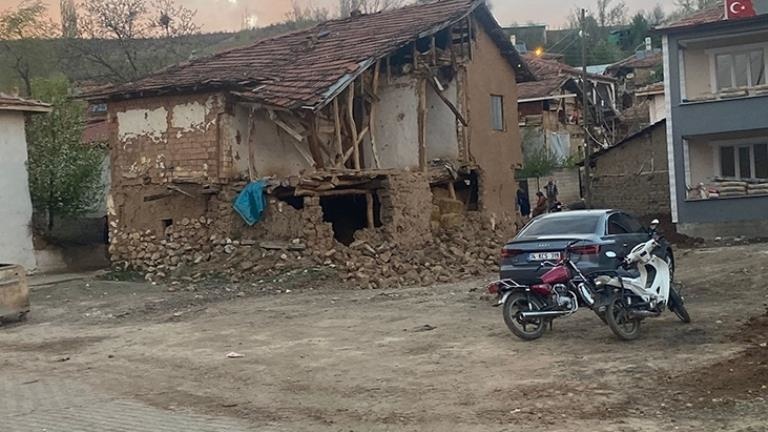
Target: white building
16,208
657,101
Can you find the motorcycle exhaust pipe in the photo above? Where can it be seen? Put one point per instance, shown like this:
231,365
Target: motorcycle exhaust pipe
544,314
644,314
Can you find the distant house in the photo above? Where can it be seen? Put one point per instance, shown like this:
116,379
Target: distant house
528,37
16,210
639,70
717,123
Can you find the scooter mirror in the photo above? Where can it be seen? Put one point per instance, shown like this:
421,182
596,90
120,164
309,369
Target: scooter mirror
654,224
611,254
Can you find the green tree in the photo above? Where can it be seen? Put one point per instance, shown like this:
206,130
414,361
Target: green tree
64,173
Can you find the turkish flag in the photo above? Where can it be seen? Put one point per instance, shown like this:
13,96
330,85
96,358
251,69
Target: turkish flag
735,9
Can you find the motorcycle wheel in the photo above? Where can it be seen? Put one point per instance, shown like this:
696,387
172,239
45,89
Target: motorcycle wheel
677,306
619,322
530,329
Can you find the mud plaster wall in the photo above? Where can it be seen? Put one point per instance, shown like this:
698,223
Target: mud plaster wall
496,152
442,139
274,151
159,140
396,122
406,209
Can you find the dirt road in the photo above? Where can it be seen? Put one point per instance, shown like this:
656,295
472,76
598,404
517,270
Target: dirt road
432,359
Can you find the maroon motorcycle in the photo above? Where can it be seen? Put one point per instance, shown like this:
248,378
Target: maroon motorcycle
529,309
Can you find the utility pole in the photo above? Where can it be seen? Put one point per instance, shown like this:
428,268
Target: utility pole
585,114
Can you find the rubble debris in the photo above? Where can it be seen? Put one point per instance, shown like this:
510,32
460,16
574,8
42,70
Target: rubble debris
234,355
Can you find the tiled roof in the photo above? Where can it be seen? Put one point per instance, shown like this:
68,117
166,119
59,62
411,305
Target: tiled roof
539,89
307,68
713,14
639,60
15,103
655,88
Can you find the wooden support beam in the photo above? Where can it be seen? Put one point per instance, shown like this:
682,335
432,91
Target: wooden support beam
251,146
314,143
445,100
415,56
433,49
422,121
369,210
334,192
372,114
284,126
337,127
362,135
389,70
352,125
470,33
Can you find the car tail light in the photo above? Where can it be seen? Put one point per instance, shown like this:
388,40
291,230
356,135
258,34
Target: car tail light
493,288
586,250
509,253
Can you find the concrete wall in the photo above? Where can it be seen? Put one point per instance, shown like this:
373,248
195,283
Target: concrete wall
697,80
633,176
442,139
397,130
733,116
16,209
497,153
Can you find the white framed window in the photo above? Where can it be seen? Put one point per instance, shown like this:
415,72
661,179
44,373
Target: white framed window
738,67
742,161
497,113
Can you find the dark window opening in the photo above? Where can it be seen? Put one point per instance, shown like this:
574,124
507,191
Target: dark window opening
166,223
293,201
348,214
468,191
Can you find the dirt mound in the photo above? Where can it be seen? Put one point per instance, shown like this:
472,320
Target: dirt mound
741,377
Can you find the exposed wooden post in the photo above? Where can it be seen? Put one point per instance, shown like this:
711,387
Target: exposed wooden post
369,210
450,105
251,149
372,114
433,48
352,125
389,71
469,35
337,127
422,113
415,56
314,142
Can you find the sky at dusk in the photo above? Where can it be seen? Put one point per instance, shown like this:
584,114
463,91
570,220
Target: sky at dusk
229,14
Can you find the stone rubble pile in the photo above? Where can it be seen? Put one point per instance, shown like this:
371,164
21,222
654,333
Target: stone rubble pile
374,260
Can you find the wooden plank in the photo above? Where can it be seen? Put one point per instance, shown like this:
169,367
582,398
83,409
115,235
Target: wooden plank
372,114
445,100
369,210
335,192
470,33
433,49
422,121
293,133
337,126
352,125
251,146
362,135
314,143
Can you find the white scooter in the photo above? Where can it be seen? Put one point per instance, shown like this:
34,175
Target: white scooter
642,294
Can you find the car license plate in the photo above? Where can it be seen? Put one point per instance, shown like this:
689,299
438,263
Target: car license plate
544,256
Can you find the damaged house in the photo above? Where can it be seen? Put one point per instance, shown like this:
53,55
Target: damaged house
390,123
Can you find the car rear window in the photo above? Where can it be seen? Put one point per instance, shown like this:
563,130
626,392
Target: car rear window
561,225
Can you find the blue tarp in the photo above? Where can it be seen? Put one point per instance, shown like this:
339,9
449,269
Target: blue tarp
251,202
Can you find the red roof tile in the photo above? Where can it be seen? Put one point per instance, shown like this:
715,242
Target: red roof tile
306,67
713,14
550,76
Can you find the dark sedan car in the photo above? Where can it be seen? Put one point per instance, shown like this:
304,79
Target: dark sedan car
545,238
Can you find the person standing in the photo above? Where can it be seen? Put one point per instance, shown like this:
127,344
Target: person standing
552,193
523,203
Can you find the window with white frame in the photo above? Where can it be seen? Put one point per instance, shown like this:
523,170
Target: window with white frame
739,68
743,161
497,112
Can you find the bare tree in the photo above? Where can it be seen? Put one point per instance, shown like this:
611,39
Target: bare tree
346,7
68,18
141,31
20,31
306,15
610,14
